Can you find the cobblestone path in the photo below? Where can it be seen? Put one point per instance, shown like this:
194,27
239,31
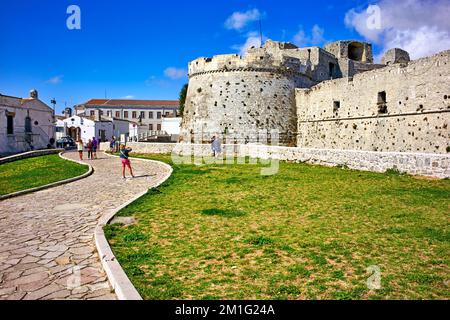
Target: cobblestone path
47,248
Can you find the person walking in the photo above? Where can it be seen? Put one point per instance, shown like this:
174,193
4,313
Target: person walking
90,149
125,158
112,145
80,148
94,148
216,146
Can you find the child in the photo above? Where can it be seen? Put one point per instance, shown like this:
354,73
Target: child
80,148
125,157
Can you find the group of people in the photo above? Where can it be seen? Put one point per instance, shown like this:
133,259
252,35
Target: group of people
91,147
124,152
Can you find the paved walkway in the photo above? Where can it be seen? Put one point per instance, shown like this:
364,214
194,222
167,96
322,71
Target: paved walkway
47,248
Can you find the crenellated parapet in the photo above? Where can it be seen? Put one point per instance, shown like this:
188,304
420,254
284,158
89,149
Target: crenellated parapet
275,57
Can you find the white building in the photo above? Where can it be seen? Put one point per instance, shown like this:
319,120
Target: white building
172,126
25,124
102,128
87,128
148,113
60,127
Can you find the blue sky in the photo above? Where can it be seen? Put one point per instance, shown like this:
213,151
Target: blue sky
140,49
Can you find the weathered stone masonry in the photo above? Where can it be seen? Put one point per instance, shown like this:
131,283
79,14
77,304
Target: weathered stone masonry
399,108
334,104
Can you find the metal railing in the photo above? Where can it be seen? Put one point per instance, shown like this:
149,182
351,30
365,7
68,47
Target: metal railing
149,135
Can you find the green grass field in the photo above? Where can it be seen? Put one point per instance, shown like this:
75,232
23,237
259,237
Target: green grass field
309,232
35,172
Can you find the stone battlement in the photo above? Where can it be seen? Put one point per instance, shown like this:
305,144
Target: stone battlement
273,57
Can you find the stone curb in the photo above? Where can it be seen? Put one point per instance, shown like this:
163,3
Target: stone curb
117,277
52,185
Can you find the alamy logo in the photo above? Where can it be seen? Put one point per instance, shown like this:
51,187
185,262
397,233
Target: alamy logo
74,20
373,17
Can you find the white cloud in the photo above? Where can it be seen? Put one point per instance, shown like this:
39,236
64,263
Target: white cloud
253,40
130,97
175,73
55,80
421,27
316,38
238,20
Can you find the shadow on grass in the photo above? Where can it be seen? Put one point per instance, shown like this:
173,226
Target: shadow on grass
223,213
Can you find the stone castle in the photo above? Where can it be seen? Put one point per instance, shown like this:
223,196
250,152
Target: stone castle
322,98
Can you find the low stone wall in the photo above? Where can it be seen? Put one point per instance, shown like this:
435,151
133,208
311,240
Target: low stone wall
432,165
31,154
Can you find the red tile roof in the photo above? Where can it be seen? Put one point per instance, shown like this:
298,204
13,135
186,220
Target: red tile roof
105,102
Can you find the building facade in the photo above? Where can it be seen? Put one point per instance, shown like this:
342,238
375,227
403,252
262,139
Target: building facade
86,129
322,98
403,107
25,124
244,95
147,113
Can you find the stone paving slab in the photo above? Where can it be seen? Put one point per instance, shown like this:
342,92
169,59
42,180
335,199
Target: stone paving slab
47,248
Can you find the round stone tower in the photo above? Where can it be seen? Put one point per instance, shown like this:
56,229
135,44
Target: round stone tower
244,97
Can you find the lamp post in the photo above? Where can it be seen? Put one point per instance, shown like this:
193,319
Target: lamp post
53,102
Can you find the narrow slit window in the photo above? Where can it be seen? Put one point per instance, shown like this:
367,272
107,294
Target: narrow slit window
336,106
382,102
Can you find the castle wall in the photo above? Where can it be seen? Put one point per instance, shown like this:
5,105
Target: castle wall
432,165
344,114
243,101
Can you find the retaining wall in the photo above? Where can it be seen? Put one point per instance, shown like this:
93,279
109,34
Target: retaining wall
423,164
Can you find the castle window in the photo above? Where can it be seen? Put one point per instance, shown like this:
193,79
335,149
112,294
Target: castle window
150,115
382,102
125,114
336,106
356,51
92,113
117,114
159,115
331,70
134,115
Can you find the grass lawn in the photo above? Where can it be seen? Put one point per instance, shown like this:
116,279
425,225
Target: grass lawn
309,232
35,172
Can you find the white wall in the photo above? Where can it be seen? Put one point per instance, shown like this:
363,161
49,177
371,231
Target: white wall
89,128
121,127
172,125
41,119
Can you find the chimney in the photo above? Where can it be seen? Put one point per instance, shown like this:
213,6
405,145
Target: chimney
68,113
98,116
34,94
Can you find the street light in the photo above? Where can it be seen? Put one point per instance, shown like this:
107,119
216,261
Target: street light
53,102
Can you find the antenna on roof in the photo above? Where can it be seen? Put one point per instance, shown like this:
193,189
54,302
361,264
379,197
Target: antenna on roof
260,31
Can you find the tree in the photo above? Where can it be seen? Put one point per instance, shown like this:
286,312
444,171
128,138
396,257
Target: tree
183,94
